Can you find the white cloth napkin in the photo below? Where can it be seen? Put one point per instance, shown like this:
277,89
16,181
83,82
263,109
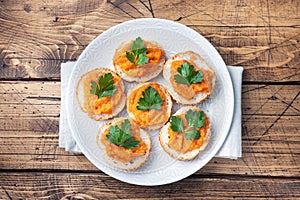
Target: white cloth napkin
232,147
66,139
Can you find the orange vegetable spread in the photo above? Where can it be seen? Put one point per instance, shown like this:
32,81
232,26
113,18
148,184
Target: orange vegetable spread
147,117
178,142
186,91
121,153
124,63
154,54
103,105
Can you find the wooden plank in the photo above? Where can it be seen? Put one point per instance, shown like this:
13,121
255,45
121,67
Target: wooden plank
270,100
282,138
100,186
27,93
233,13
249,48
255,129
29,125
252,164
33,144
34,98
262,37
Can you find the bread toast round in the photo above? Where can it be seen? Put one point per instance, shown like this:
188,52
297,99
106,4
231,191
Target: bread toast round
164,138
124,47
81,99
208,76
133,164
168,102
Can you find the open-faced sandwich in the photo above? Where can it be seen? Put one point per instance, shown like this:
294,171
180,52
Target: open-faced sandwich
149,105
139,60
187,133
190,80
100,93
126,146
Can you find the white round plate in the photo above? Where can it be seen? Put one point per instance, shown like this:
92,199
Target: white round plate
173,37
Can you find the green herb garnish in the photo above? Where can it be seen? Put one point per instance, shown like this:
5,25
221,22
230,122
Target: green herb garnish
187,75
138,52
195,121
195,118
192,134
150,100
176,124
122,136
105,86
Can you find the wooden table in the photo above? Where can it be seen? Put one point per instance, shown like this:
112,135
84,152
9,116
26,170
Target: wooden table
37,36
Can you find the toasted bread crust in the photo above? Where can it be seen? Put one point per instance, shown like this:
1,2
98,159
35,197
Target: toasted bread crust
140,79
168,102
134,164
164,138
201,64
80,92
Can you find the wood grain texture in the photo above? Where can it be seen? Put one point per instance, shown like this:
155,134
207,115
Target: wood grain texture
37,36
276,154
43,97
100,186
30,111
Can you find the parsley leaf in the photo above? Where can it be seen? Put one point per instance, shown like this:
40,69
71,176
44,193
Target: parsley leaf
125,126
197,77
187,75
137,44
94,88
142,59
104,87
192,134
176,124
195,120
131,143
130,56
150,100
138,52
180,79
122,137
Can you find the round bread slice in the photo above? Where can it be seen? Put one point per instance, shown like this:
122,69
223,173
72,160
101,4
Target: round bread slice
140,79
134,164
164,138
208,76
80,93
168,102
